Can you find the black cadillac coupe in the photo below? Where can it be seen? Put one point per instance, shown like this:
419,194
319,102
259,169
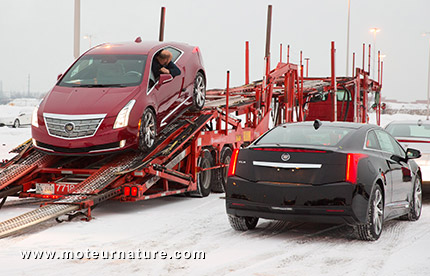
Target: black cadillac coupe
331,172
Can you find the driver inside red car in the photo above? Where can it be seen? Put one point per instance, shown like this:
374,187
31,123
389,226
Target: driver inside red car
162,64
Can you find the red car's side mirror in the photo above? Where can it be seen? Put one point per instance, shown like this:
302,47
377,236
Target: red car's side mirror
164,78
59,76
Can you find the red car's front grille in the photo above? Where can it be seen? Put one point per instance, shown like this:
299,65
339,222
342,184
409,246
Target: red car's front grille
73,127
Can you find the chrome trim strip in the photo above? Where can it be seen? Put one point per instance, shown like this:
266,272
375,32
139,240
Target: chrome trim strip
173,111
401,204
101,150
282,208
74,117
287,165
42,148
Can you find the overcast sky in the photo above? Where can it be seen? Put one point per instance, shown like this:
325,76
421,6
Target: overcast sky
36,37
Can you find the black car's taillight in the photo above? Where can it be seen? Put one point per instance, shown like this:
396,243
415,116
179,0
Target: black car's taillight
352,166
233,163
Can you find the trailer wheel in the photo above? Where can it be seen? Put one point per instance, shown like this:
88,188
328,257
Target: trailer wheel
204,178
218,185
199,92
147,131
242,223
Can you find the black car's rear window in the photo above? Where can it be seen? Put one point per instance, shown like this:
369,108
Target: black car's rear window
304,135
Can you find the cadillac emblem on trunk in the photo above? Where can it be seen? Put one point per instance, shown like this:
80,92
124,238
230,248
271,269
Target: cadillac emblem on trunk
285,157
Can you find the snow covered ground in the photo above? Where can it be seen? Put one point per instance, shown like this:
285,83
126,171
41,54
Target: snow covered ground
192,224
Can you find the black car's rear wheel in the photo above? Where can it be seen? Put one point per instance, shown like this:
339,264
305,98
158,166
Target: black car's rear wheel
242,223
199,93
372,229
147,131
416,203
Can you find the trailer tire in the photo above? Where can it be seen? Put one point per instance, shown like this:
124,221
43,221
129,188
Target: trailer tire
242,223
199,92
147,130
219,183
204,179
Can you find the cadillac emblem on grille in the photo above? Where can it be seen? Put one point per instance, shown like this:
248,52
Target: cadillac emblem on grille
285,157
69,127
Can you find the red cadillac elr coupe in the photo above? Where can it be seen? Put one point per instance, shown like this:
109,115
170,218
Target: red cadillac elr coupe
116,97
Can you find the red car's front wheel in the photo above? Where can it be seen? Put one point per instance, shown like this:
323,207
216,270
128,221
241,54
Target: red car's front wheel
148,130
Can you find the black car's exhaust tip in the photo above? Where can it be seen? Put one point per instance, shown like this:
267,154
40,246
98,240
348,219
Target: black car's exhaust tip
317,124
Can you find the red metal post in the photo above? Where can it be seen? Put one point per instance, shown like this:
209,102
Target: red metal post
288,54
368,65
268,33
300,96
227,102
379,65
333,81
162,20
301,60
353,64
357,95
364,54
380,94
247,62
307,67
280,53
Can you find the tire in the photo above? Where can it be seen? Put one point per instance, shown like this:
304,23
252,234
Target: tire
242,223
218,185
16,123
204,179
199,92
147,131
416,203
372,229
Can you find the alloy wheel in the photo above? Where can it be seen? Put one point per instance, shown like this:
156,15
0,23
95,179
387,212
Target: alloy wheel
378,211
149,129
200,91
418,198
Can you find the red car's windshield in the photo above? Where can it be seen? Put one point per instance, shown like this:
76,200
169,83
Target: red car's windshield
105,71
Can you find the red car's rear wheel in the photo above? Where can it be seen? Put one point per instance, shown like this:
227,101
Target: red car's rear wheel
199,93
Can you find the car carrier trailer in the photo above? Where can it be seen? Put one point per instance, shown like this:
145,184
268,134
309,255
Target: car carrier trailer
192,154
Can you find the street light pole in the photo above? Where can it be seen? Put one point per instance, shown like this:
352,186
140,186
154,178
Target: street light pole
428,79
347,38
374,31
428,86
77,27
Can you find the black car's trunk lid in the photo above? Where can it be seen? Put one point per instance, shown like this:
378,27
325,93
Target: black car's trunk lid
291,165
